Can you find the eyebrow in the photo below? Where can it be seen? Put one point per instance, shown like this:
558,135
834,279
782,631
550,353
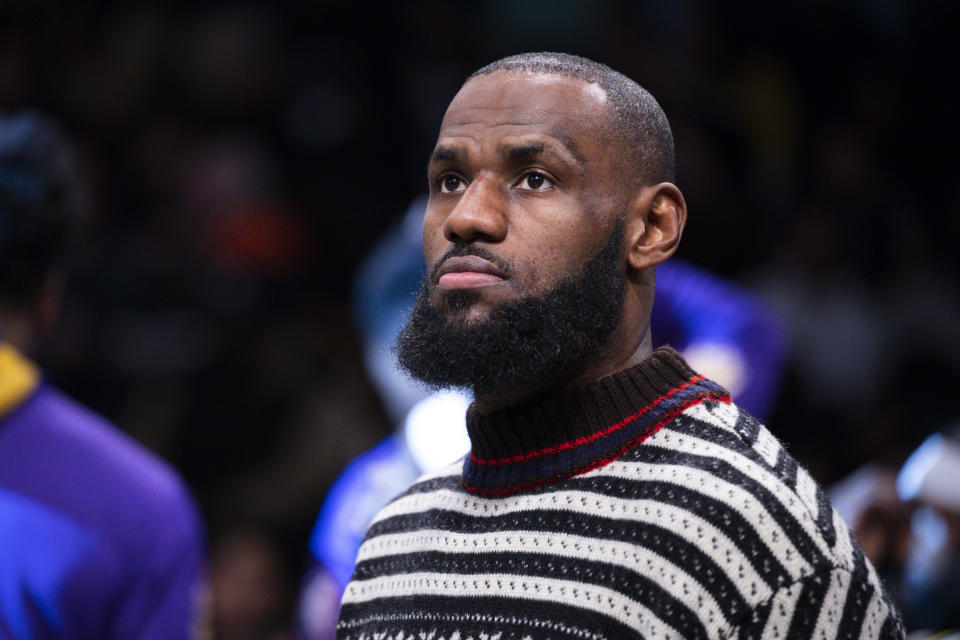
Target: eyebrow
520,152
443,153
565,151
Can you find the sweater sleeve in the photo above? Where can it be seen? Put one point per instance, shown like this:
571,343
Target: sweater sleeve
831,603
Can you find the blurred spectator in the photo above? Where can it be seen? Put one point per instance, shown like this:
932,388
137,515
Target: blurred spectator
248,576
930,478
98,538
827,312
880,520
908,524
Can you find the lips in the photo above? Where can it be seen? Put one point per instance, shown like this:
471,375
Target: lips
466,272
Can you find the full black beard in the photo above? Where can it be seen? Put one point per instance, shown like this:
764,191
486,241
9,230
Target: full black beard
531,343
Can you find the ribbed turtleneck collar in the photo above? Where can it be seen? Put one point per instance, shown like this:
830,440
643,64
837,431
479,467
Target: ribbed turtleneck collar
557,436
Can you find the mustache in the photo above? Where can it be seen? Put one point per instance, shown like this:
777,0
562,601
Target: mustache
471,249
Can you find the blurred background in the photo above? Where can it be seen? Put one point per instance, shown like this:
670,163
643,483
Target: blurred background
246,157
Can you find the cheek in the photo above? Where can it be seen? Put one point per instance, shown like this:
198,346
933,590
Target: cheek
556,252
542,266
433,241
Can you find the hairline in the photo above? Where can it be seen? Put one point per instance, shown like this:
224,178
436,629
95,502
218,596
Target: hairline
658,151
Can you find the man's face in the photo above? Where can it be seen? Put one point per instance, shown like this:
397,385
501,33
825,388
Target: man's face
523,191
523,238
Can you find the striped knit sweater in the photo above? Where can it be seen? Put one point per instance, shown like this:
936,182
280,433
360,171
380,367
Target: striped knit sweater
644,506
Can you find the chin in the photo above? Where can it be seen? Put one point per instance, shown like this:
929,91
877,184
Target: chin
470,315
456,302
473,303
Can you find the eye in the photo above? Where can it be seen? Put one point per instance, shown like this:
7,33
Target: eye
535,181
451,183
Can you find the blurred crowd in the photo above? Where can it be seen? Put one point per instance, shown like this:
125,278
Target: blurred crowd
244,158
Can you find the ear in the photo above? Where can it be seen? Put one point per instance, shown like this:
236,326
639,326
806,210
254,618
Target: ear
655,223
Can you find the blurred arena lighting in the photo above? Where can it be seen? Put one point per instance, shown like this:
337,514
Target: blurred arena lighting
932,474
436,430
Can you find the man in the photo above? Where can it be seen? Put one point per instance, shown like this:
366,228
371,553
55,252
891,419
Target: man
610,491
98,538
717,326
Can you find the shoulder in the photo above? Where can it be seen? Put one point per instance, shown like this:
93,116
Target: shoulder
426,499
810,568
368,483
435,485
756,477
95,471
830,602
129,522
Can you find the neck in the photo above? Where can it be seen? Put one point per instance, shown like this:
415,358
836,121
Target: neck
567,432
627,353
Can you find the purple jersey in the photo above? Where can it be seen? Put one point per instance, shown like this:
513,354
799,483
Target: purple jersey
98,538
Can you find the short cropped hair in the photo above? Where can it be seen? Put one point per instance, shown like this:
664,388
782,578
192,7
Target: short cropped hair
41,201
638,123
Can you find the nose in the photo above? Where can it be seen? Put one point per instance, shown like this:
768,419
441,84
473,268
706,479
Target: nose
479,214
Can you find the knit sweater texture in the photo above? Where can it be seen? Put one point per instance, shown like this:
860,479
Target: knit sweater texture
646,505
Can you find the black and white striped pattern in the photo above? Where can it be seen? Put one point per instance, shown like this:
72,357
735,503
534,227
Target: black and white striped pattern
708,529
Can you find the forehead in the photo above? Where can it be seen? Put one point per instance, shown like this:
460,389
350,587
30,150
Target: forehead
515,103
